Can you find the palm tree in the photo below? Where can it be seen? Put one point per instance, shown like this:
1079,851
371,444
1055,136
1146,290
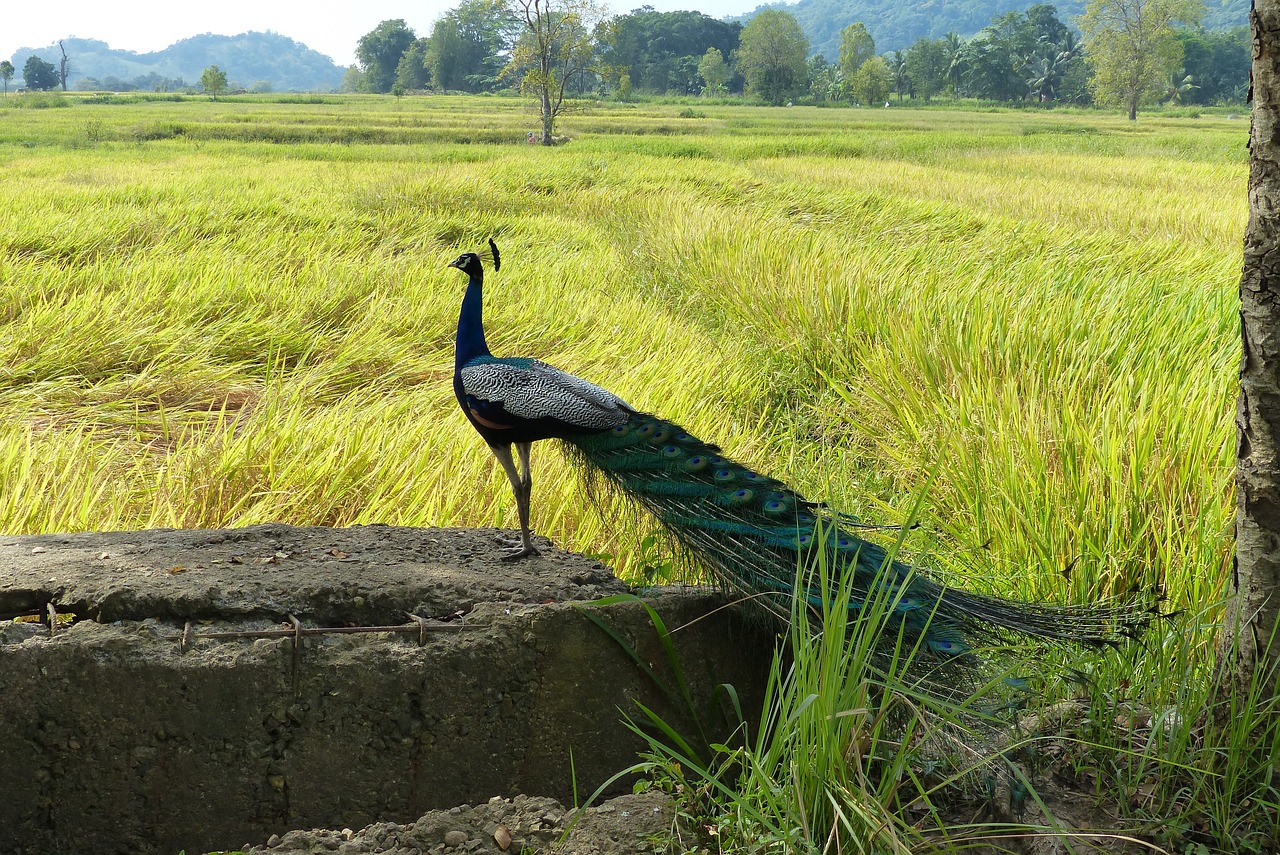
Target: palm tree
1044,75
901,80
958,61
1069,49
1179,85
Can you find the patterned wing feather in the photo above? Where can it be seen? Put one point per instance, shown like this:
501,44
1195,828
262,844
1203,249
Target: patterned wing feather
533,390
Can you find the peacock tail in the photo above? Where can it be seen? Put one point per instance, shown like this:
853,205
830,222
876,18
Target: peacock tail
760,538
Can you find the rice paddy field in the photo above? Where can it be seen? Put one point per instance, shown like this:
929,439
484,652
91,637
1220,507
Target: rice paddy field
1023,323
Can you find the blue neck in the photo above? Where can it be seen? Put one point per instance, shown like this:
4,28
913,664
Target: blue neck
470,342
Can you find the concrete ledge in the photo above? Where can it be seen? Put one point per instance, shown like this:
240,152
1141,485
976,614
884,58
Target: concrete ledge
117,736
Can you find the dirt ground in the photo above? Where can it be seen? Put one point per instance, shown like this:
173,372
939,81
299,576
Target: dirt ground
625,825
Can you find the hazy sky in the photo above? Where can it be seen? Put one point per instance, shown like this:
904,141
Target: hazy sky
331,28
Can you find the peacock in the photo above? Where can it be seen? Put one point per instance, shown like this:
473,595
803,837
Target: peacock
752,532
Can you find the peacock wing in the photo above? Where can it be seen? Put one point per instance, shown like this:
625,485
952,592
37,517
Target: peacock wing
531,389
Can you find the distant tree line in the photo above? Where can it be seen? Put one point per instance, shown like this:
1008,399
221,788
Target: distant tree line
1029,56
150,82
1126,52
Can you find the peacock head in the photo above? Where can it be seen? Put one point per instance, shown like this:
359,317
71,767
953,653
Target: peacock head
472,264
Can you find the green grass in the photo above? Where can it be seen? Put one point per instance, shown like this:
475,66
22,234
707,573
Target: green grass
222,313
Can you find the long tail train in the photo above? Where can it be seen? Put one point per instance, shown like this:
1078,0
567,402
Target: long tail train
758,537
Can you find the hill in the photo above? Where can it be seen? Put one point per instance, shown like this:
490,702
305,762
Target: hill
896,24
251,60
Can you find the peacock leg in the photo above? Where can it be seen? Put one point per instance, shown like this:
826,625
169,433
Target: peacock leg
526,478
521,487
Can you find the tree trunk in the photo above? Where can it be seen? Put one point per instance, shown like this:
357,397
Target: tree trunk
62,67
1246,650
548,117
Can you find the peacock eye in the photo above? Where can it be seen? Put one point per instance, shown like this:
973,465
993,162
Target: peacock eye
949,647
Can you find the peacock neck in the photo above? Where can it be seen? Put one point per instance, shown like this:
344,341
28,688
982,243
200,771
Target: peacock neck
470,342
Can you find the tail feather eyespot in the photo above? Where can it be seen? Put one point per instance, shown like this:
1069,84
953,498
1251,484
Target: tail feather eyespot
950,648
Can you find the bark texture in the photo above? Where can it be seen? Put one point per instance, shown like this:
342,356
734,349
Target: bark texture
1254,611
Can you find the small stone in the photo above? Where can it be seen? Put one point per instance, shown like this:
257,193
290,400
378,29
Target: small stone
455,838
273,841
502,837
36,550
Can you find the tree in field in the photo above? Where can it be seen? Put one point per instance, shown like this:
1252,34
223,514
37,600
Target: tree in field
1179,88
772,56
6,74
1133,47
856,47
39,75
1045,28
214,81
901,77
714,72
354,80
555,46
379,52
826,83
1218,62
412,71
470,45
872,83
654,48
1018,55
1246,648
956,64
64,65
927,65
1044,76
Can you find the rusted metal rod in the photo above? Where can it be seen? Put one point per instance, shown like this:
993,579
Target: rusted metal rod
421,626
